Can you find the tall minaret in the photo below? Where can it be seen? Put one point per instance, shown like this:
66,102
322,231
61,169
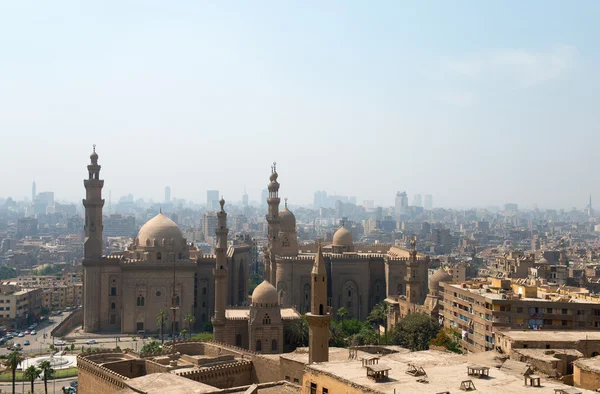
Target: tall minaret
220,273
413,280
319,317
273,220
93,203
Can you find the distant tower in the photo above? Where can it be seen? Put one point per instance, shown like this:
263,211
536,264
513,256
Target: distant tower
590,210
220,273
428,202
413,280
167,194
319,317
93,203
245,198
33,192
273,221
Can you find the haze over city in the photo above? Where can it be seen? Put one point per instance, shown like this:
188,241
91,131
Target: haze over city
477,107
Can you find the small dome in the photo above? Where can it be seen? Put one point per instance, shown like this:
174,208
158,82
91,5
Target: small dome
543,260
265,294
161,228
342,237
440,275
287,219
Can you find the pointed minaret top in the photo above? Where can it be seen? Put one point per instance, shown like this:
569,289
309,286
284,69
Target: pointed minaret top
222,203
319,265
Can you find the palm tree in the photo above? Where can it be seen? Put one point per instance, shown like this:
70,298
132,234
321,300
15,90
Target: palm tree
385,311
31,374
298,332
162,319
379,314
48,371
13,360
336,335
342,313
190,320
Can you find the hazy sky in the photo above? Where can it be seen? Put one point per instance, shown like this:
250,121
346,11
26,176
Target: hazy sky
477,103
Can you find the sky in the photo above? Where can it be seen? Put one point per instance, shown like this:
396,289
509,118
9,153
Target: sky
477,103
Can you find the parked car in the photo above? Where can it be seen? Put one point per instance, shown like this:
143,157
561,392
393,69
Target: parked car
26,343
21,335
33,332
27,332
60,343
91,342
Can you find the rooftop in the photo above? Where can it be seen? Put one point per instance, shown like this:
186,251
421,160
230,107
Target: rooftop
550,336
588,364
445,371
165,383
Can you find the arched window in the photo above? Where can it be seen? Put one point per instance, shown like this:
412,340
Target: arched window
399,290
158,256
259,346
273,345
113,306
266,319
176,300
238,340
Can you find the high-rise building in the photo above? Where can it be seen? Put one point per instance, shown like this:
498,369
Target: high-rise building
245,198
401,203
33,193
212,200
167,194
320,200
417,201
263,196
209,225
428,202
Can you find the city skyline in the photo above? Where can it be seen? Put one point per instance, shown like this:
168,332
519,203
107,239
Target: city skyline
397,96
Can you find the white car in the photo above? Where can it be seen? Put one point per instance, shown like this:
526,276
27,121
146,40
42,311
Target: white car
21,335
33,332
60,343
91,342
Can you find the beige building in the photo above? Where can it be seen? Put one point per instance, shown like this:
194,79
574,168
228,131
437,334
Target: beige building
19,307
159,271
480,309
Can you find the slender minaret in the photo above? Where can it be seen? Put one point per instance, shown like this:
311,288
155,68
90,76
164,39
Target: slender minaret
319,317
273,221
93,203
413,281
220,273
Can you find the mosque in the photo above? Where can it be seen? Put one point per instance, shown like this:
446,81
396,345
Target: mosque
161,271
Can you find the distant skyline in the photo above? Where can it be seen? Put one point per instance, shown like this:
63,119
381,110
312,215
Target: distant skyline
478,104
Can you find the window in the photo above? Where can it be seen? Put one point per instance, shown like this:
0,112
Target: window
177,300
580,312
325,390
548,310
158,293
564,322
258,346
238,340
113,306
313,388
288,378
296,380
140,301
547,346
565,311
140,326
273,345
266,319
113,291
158,256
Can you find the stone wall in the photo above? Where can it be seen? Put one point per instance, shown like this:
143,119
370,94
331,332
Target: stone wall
72,321
331,383
585,379
237,373
291,370
265,369
93,379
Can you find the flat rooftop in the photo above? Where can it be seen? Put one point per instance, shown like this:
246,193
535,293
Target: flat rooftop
550,336
445,371
588,364
166,383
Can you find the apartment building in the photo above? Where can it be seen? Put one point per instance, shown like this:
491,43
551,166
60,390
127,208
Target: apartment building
18,307
55,293
479,309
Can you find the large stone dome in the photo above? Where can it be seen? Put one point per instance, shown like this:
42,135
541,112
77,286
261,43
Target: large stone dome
440,275
342,237
161,231
287,219
265,295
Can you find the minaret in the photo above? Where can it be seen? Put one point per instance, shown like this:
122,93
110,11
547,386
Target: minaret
273,220
220,273
93,203
319,317
413,290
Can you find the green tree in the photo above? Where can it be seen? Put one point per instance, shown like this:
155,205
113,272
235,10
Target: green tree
162,320
254,279
190,320
415,331
183,333
342,313
151,347
448,338
298,332
31,374
336,335
13,360
47,372
378,314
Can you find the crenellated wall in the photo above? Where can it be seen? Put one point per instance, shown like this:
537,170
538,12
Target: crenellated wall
236,373
93,378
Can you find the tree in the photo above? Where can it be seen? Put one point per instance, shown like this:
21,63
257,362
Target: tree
254,279
13,360
342,313
48,371
162,319
31,374
415,331
151,347
190,320
183,333
448,338
378,314
336,335
298,332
